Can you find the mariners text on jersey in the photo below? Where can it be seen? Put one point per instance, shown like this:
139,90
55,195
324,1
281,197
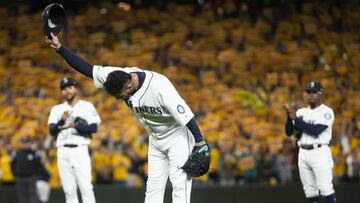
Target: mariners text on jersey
158,106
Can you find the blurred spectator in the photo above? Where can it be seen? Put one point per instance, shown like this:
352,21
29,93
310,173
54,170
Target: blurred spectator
353,166
102,163
26,164
227,165
214,165
6,177
248,164
52,168
285,160
121,165
274,167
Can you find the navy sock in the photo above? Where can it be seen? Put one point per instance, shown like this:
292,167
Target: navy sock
330,198
313,200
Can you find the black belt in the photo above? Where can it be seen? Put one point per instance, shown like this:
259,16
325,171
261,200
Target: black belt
70,145
310,146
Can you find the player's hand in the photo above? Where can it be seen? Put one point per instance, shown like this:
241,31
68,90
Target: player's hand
292,115
63,127
65,115
290,110
53,42
286,107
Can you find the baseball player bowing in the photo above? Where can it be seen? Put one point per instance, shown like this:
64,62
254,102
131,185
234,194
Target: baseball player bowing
312,126
155,102
72,123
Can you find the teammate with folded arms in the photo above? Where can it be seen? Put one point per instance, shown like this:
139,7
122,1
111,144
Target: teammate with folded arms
72,123
312,127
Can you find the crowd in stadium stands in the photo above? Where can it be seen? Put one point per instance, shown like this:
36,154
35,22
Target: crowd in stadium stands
235,63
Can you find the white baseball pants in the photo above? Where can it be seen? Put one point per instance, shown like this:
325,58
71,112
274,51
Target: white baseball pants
165,157
75,170
315,168
43,190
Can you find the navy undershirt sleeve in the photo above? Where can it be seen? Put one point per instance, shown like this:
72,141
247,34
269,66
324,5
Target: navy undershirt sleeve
76,62
289,127
83,128
311,129
194,129
53,127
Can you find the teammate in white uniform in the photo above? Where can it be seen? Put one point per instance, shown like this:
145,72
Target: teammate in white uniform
72,123
312,127
160,109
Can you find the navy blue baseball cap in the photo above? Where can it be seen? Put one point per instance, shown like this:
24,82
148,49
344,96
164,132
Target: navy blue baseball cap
314,87
66,82
53,18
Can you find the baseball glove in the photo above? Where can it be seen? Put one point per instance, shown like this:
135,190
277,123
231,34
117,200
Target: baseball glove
80,121
199,161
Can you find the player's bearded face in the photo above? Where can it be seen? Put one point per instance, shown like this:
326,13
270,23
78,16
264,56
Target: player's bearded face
69,93
125,92
313,97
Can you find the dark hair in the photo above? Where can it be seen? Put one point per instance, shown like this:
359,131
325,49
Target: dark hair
116,81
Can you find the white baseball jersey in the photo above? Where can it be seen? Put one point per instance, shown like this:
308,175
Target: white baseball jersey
83,109
157,104
320,115
315,165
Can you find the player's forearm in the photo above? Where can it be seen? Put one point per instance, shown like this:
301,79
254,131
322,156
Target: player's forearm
76,62
289,127
311,129
194,129
53,127
83,128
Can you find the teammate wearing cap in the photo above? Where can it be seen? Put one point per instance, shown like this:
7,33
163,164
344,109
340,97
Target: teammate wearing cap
312,126
72,123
